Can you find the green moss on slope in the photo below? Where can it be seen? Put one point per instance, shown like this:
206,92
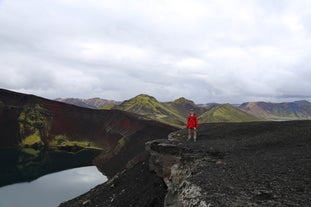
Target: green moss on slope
107,107
150,108
32,139
34,123
63,141
226,113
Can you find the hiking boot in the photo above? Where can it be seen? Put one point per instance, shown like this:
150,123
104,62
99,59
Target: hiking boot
189,137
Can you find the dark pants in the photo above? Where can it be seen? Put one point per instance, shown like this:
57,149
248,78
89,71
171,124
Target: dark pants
192,131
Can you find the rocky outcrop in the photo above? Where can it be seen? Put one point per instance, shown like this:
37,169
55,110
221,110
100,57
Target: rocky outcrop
176,163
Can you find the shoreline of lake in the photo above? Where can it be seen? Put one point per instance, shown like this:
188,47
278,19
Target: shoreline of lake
52,189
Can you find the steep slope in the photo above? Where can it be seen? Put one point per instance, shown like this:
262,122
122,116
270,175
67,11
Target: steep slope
30,125
151,108
226,113
297,110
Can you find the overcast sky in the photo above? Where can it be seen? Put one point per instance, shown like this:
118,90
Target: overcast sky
207,51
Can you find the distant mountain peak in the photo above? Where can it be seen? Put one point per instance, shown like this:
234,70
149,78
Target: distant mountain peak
144,96
182,100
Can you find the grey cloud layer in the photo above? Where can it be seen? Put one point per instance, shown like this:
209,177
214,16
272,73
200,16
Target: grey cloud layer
224,51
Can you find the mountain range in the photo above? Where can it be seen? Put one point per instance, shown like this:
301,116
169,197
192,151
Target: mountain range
175,112
92,103
297,110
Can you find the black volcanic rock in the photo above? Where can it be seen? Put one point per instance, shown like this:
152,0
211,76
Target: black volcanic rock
247,164
134,187
231,164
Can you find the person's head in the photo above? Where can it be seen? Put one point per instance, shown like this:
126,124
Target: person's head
191,111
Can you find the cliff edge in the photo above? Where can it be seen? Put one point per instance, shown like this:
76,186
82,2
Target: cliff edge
231,164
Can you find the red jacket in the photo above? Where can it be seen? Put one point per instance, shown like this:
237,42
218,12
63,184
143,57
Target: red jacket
192,121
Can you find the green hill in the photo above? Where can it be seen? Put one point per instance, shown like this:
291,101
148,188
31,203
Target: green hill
151,108
226,113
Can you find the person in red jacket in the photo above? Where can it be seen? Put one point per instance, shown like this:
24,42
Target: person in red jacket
192,125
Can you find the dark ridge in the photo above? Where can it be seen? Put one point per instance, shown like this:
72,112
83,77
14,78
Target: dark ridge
121,135
134,187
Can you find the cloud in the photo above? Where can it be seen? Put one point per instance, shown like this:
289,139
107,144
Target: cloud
207,51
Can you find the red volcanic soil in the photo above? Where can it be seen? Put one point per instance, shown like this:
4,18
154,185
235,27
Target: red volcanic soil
104,127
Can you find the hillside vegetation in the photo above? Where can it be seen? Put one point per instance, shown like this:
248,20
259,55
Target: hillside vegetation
226,113
151,108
